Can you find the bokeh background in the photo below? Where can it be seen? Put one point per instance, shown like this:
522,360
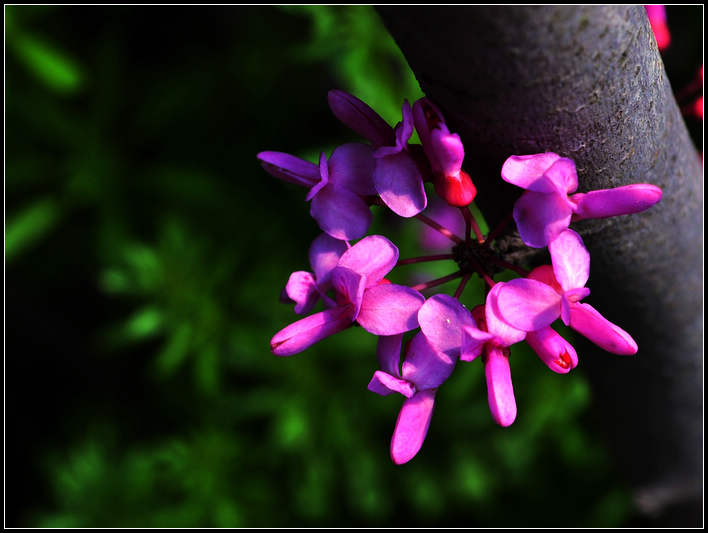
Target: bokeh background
145,253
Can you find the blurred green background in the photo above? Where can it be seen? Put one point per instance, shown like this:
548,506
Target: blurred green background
146,250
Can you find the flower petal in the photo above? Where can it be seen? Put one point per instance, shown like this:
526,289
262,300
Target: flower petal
404,130
302,290
563,175
324,254
544,274
440,321
324,178
358,116
341,213
613,202
373,257
399,184
473,341
388,352
384,384
390,309
556,352
424,366
449,151
412,426
352,167
588,322
571,260
290,168
527,171
525,304
427,117
349,286
305,332
500,392
541,217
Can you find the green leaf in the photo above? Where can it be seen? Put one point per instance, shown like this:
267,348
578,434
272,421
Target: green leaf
29,226
50,65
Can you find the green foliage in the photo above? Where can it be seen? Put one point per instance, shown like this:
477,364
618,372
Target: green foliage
139,201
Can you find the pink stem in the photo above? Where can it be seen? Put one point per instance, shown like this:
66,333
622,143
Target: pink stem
461,286
472,223
505,264
500,227
436,282
442,229
424,258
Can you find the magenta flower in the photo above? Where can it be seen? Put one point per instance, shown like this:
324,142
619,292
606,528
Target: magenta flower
453,330
500,391
546,209
361,295
337,188
424,370
532,303
445,153
556,352
657,20
305,288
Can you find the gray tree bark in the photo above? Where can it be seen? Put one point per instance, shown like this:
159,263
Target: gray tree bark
588,82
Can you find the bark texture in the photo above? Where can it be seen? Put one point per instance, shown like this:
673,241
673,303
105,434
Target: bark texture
588,83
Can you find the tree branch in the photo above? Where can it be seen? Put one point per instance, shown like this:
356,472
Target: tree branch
588,83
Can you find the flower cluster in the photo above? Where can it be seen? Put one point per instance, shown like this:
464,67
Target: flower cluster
350,279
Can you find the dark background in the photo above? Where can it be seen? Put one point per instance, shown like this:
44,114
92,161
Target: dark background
145,252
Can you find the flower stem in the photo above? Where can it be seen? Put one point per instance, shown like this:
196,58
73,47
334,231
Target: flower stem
461,286
436,282
505,264
496,231
472,225
442,229
424,259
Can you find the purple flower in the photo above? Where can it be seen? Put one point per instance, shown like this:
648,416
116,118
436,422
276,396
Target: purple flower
546,209
450,328
361,295
305,288
453,330
445,153
424,370
532,303
397,178
359,117
337,188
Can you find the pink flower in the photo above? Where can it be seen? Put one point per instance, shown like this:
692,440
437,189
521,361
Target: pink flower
531,304
361,295
657,20
445,153
337,188
424,370
546,209
305,288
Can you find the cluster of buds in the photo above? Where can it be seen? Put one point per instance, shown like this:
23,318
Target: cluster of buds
350,279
